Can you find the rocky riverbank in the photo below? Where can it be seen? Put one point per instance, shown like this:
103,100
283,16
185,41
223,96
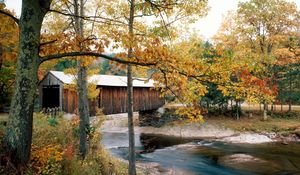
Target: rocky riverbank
118,123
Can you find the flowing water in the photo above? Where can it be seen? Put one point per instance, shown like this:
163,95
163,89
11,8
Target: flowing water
207,157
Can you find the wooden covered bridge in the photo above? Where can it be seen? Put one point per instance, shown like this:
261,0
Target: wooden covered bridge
112,97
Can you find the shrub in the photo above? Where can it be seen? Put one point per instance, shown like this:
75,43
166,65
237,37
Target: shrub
46,160
52,121
55,146
285,115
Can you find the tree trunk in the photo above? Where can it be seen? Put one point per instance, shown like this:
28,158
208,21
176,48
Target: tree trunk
250,111
83,108
1,56
265,115
18,137
231,106
259,107
237,110
272,107
207,106
290,92
82,89
132,167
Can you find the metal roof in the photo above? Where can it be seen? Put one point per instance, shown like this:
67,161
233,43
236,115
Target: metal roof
104,80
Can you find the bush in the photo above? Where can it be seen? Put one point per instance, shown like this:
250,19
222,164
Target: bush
285,115
46,160
55,146
52,121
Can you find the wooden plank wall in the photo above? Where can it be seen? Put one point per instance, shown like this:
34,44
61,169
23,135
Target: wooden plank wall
113,100
70,101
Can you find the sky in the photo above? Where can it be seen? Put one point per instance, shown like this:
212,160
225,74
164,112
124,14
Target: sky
206,27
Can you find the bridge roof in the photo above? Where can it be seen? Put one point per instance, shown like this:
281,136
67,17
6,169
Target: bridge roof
104,80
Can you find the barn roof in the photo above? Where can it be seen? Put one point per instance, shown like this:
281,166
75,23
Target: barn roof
104,80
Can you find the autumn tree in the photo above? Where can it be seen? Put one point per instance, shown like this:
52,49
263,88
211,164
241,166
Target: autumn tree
286,71
18,137
144,28
8,54
254,33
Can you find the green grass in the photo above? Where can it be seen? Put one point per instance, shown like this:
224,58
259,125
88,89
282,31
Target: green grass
255,124
285,123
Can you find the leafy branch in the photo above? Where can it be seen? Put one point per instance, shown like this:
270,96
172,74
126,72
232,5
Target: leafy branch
73,54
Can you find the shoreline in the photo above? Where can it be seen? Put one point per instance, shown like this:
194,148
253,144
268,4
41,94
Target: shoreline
118,123
194,131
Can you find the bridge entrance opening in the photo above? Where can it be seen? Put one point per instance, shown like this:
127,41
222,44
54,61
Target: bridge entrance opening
50,96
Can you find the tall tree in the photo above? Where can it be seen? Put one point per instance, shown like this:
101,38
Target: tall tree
18,137
286,70
132,168
255,31
83,103
19,131
142,40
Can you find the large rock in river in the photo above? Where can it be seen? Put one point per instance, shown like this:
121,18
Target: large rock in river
251,138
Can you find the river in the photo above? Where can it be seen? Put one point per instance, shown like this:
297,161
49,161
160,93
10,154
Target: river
204,156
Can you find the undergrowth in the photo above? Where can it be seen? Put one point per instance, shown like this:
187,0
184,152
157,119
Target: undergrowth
55,150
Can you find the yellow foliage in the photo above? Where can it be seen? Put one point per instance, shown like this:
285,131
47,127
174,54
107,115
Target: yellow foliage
46,160
192,113
93,91
9,37
54,150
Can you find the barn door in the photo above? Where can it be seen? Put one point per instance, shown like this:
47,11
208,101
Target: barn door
51,96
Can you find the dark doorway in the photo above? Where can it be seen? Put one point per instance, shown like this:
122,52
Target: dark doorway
51,96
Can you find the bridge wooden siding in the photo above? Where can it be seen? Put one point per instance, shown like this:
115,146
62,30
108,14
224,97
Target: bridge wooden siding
112,98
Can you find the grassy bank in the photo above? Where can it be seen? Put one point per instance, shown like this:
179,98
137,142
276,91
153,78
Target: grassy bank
55,150
283,124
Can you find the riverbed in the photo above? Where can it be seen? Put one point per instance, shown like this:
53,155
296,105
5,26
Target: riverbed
203,156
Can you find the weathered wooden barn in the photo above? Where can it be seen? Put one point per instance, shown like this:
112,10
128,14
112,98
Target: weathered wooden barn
112,97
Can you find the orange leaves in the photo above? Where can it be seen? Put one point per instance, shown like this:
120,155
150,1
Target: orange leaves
9,56
287,56
69,152
153,52
69,42
9,38
57,43
246,86
46,160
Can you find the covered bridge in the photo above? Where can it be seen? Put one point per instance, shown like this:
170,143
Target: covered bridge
112,97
